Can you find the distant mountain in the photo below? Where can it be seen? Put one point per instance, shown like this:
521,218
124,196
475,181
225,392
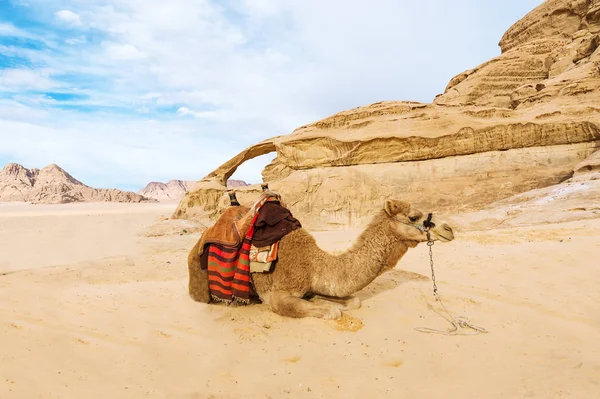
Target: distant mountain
175,189
236,183
53,185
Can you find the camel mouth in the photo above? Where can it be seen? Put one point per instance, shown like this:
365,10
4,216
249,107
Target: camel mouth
443,238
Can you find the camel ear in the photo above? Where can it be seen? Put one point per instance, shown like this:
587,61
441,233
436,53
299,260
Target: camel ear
394,207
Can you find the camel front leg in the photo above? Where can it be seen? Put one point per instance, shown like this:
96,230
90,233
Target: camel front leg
347,303
285,304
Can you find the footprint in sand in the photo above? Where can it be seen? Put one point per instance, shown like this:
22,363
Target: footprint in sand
395,363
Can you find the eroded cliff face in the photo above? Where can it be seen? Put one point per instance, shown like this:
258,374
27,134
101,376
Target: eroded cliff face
518,122
549,57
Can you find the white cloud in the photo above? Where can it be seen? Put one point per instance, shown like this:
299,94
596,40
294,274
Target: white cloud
26,79
76,40
122,52
151,96
69,17
184,111
11,30
15,111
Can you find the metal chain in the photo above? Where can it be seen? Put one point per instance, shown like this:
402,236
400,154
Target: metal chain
458,322
430,243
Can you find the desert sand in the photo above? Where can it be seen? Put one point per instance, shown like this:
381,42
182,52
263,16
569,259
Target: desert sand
92,305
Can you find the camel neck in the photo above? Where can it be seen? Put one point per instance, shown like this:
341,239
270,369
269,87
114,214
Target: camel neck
373,252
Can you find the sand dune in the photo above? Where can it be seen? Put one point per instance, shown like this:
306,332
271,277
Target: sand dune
91,307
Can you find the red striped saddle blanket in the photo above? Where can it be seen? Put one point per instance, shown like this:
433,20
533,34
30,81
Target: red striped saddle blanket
229,270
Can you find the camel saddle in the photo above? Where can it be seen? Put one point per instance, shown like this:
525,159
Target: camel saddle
230,229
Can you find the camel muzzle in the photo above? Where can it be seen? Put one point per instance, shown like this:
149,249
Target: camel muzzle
444,232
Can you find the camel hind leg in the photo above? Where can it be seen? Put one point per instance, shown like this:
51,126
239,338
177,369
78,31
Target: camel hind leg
198,287
285,304
198,278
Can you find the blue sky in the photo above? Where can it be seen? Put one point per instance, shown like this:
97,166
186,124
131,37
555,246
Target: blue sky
123,92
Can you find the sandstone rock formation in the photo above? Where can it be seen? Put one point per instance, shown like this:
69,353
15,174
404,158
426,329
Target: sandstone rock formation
589,169
52,185
521,121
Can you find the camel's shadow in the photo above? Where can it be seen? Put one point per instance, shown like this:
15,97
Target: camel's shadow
388,281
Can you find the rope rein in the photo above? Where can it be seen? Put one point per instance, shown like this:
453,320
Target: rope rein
457,323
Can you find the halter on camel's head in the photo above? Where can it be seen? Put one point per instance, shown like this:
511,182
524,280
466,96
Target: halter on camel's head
426,227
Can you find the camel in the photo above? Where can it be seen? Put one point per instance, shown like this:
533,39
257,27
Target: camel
310,282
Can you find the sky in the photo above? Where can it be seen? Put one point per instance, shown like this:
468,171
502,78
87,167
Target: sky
123,92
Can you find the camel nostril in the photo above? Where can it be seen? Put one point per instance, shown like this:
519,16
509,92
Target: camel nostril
447,228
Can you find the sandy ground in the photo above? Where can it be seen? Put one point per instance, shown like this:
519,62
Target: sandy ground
90,307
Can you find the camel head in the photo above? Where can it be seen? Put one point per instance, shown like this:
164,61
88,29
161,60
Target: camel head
408,223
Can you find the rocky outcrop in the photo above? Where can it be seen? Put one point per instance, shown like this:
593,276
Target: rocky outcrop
575,199
16,182
52,185
519,122
589,165
548,57
588,169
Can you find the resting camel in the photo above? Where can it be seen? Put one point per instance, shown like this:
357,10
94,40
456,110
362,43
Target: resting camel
303,270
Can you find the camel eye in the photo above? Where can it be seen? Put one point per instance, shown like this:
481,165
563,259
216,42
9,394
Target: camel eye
413,218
